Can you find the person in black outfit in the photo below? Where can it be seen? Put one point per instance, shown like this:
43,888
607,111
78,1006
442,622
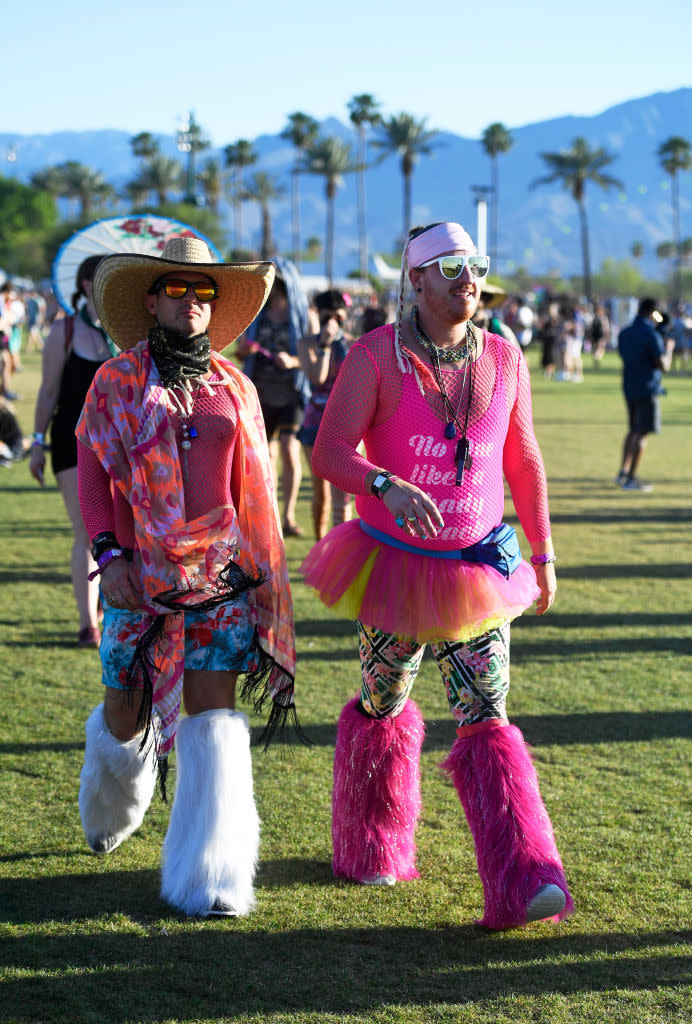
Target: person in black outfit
74,349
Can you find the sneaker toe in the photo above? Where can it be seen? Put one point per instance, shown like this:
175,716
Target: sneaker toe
548,901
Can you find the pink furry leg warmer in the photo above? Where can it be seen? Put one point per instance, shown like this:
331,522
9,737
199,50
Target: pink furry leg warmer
376,799
515,846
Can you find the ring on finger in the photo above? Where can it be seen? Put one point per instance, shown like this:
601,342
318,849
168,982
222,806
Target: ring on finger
399,521
411,519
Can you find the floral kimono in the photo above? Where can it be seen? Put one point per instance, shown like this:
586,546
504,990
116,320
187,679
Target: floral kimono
198,564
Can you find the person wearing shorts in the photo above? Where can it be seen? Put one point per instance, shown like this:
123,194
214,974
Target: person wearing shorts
270,350
645,357
176,496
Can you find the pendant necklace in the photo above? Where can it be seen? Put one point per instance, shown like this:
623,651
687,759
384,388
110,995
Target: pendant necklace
185,408
465,351
462,455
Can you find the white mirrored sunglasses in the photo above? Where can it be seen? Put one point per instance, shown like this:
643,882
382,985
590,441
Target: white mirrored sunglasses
452,267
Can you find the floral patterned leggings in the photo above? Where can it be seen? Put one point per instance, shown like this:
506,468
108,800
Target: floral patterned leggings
475,673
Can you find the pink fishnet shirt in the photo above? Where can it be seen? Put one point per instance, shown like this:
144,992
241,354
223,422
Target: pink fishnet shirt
211,479
404,433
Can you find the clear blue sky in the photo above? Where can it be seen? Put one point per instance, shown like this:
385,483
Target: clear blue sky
137,65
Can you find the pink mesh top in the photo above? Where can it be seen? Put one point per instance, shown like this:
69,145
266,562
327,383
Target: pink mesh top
210,480
403,432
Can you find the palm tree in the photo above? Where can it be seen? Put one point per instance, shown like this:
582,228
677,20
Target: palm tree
50,180
263,189
144,146
675,154
239,155
191,141
573,168
301,131
409,139
161,175
364,114
495,140
89,188
637,250
331,158
211,181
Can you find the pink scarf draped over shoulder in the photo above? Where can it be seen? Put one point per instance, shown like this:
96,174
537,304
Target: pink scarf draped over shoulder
127,422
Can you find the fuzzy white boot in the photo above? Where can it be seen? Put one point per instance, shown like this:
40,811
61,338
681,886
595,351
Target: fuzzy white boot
116,785
210,851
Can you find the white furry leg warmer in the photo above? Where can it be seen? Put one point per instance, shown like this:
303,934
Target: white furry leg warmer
116,785
210,851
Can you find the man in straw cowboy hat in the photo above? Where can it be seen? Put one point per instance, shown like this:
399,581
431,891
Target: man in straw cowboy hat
176,493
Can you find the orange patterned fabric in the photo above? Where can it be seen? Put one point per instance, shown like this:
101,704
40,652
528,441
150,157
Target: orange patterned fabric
127,422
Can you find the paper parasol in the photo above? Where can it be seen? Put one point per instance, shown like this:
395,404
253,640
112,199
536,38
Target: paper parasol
138,234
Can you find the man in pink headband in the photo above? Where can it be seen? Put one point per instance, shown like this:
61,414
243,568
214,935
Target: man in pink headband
444,412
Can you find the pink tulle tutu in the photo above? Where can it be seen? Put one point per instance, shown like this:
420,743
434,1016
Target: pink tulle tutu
413,595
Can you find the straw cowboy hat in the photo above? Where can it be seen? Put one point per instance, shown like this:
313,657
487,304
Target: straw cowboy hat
122,282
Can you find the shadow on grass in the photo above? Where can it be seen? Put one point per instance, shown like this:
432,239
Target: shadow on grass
219,969
599,621
547,730
628,571
30,575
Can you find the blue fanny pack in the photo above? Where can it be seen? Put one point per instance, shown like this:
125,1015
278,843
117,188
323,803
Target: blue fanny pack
499,549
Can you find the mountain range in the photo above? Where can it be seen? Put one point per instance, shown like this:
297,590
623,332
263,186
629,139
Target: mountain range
538,228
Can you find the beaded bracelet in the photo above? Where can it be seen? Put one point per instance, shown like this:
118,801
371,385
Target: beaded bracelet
542,559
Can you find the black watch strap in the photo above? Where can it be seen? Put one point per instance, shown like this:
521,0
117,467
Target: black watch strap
381,485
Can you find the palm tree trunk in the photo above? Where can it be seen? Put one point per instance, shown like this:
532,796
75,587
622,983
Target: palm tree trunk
495,184
329,251
267,244
677,276
295,205
407,205
362,228
586,258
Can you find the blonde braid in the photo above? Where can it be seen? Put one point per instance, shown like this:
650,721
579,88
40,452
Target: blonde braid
403,362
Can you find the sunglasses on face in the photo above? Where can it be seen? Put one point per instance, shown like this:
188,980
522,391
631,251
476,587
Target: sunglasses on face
452,267
176,289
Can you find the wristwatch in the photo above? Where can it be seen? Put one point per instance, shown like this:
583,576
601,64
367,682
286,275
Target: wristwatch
381,485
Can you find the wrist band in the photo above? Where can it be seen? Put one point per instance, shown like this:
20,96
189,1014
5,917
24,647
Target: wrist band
38,437
105,559
542,559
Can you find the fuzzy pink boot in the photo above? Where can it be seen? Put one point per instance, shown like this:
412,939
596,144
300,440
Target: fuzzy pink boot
515,846
376,800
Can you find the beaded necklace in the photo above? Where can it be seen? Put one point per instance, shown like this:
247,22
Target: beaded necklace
443,355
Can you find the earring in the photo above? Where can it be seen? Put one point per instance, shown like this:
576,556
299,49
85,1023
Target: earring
419,289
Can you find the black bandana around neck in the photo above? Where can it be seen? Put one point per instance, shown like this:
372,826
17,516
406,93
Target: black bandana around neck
178,358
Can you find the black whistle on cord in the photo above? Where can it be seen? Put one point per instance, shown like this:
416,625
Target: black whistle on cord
462,454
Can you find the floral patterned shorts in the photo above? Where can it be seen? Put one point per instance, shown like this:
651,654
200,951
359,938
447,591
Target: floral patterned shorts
220,639
475,673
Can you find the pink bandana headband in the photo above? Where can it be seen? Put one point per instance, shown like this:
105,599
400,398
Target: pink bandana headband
437,241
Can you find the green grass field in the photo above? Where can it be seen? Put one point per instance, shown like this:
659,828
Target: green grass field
600,688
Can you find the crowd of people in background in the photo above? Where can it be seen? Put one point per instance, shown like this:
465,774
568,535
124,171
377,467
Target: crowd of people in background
557,332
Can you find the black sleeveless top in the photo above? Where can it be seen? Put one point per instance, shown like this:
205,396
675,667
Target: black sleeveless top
77,376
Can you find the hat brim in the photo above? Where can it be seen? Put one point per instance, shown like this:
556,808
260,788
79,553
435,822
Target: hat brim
122,282
492,295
